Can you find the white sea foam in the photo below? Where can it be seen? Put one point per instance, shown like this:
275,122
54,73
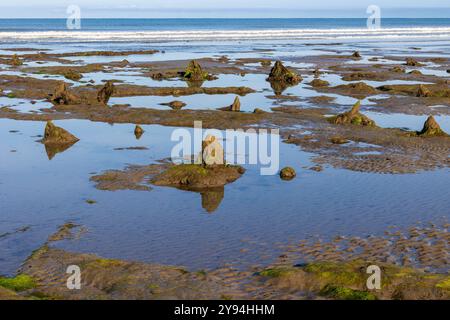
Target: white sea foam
199,35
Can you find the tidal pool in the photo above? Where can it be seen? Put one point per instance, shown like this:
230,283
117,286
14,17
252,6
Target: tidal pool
406,121
256,216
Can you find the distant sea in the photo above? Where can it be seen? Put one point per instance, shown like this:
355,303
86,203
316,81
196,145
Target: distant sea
219,29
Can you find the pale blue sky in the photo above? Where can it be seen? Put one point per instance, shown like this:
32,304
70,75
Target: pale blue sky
222,8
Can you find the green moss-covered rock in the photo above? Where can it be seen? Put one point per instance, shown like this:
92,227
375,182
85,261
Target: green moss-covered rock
444,284
343,293
337,273
19,283
198,177
277,272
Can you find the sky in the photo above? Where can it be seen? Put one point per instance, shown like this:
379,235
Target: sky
222,8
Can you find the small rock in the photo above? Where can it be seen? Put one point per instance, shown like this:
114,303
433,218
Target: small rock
356,54
287,173
319,83
176,105
124,63
72,75
398,69
415,72
258,110
223,59
157,76
138,131
316,168
339,140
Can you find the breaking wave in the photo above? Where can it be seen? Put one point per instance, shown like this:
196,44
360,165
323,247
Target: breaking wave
221,35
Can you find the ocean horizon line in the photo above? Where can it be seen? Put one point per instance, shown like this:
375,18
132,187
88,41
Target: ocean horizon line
229,18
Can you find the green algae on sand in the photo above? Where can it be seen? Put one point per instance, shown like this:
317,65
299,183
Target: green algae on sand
20,282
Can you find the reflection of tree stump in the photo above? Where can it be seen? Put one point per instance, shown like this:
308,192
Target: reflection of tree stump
53,149
279,87
195,84
211,199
